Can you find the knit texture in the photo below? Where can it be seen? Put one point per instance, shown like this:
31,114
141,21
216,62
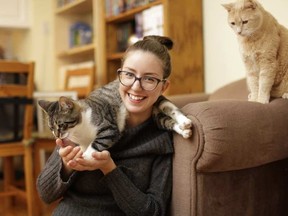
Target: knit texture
140,185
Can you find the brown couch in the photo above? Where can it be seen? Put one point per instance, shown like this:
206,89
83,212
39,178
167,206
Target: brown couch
236,163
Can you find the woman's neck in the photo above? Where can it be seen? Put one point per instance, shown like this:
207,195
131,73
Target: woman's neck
136,119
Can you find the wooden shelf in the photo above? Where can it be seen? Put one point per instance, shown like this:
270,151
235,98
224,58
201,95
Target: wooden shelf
89,48
128,15
115,56
181,21
77,6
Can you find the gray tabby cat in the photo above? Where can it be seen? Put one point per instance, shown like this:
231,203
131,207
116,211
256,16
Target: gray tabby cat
96,122
264,48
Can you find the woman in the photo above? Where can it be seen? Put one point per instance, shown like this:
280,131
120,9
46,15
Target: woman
135,176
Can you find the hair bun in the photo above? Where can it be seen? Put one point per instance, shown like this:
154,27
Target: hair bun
165,41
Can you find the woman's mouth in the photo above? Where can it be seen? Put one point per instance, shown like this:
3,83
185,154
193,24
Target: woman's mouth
135,98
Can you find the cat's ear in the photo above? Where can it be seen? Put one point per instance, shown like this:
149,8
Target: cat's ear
250,4
66,103
44,105
228,7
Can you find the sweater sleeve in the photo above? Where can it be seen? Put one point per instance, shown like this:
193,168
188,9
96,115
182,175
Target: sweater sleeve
154,200
49,183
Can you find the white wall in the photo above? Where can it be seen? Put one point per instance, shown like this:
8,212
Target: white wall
35,43
222,59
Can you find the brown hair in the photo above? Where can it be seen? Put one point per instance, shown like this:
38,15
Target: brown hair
159,46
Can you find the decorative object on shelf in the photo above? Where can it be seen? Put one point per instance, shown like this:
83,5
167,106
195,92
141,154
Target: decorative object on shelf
153,20
124,31
61,3
80,34
115,7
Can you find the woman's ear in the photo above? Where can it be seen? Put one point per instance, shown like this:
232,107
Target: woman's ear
165,86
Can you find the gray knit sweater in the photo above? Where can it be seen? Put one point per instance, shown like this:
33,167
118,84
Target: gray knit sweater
140,185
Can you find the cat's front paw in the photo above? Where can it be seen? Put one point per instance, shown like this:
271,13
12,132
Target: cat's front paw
185,133
252,97
87,155
285,96
184,123
263,100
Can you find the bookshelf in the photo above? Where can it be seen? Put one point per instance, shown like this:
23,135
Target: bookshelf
66,15
182,22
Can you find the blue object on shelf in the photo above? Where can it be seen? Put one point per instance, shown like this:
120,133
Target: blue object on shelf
80,34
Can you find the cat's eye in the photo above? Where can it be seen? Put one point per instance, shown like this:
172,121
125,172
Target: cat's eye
70,122
245,22
232,23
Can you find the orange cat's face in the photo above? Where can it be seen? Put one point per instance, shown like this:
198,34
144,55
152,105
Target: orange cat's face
244,17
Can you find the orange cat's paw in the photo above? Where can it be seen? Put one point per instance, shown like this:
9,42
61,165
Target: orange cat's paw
263,100
252,97
285,96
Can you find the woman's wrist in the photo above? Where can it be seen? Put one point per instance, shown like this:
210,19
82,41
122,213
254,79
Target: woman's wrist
110,166
66,171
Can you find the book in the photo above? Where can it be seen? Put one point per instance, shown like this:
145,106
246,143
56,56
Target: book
124,31
80,34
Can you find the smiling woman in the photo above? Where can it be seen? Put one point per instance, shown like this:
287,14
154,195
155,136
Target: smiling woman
127,130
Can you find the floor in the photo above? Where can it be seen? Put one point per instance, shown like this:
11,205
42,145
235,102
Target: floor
19,208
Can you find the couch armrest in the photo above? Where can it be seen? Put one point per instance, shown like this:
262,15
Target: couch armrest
181,100
234,134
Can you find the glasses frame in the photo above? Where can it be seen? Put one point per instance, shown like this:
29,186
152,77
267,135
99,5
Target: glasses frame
119,71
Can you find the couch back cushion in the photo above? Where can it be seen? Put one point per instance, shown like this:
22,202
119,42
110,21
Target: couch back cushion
235,90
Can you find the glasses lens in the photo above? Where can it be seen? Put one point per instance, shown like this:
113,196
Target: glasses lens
126,78
149,83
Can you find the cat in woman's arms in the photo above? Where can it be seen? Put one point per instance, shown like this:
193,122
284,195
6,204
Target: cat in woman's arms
96,122
264,48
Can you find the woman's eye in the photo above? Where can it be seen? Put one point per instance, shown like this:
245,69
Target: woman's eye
129,75
149,79
232,23
245,22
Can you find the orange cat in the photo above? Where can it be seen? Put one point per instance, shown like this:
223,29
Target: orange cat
264,49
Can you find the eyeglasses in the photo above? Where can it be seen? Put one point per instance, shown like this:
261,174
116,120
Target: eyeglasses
147,83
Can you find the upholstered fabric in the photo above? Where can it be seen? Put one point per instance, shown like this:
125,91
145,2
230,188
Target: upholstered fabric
236,162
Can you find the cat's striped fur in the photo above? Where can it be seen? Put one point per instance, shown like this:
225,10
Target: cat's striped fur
98,120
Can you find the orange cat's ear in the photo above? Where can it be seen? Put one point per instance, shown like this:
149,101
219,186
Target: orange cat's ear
250,4
228,7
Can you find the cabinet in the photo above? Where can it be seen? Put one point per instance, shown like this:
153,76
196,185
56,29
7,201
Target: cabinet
14,14
181,21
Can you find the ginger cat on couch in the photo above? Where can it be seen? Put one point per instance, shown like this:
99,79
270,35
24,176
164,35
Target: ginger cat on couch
264,48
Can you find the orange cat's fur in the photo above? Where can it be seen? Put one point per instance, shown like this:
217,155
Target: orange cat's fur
264,49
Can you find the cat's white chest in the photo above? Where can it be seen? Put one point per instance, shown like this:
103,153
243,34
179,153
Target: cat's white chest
85,132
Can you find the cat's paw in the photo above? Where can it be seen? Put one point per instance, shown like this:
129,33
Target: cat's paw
185,133
252,97
285,96
263,100
184,123
87,155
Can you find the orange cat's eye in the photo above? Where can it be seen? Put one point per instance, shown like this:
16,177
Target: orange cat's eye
232,23
245,22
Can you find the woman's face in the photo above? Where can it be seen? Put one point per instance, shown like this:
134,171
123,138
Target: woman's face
138,101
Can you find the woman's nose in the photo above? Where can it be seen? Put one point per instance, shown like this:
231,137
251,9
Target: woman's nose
136,85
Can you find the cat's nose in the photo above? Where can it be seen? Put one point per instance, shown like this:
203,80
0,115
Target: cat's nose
56,134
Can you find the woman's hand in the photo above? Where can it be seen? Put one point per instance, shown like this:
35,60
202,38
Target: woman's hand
68,151
72,159
101,160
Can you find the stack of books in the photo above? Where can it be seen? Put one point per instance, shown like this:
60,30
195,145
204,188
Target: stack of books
80,34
